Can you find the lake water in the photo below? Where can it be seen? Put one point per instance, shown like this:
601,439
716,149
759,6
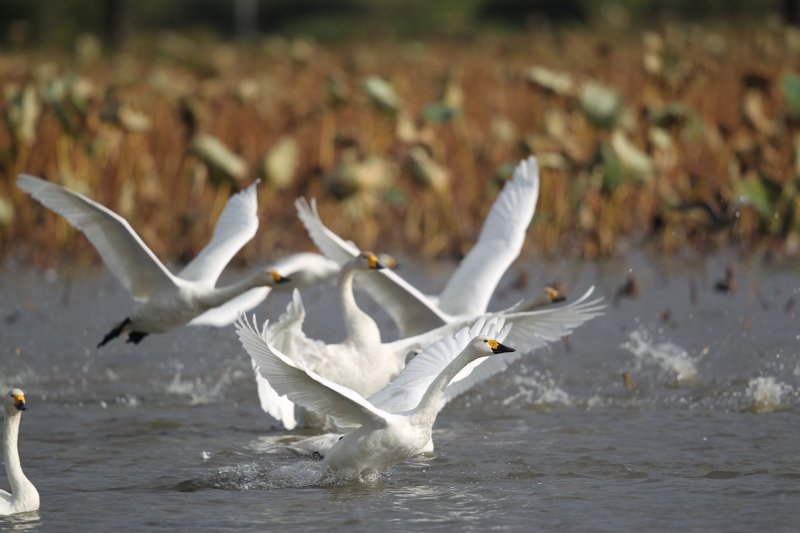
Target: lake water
168,435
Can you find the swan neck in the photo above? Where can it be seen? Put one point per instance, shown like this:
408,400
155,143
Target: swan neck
20,485
425,412
358,324
221,295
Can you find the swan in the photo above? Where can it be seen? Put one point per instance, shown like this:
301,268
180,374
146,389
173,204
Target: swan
23,497
467,292
364,363
166,301
381,438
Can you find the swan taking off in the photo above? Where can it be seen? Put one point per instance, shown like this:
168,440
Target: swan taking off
167,301
23,497
381,438
467,293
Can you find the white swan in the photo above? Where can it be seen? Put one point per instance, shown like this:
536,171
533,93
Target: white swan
23,497
362,362
382,438
167,301
469,289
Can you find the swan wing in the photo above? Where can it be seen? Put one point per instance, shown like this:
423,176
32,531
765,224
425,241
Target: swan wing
533,329
123,251
471,286
237,224
278,407
529,330
228,312
304,386
407,389
411,310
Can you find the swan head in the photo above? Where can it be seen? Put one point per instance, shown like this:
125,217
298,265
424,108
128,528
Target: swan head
275,278
554,295
484,345
370,261
16,401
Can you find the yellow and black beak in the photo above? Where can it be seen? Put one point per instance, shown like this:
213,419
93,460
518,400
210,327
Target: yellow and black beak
387,261
19,403
277,278
373,262
499,348
554,295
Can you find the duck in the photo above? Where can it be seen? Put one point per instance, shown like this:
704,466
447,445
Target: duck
165,300
501,238
23,497
365,363
378,438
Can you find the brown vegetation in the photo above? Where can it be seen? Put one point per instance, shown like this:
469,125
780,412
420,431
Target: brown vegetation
682,139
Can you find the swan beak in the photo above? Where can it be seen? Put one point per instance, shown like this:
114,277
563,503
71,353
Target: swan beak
277,278
387,261
554,295
499,348
19,403
374,263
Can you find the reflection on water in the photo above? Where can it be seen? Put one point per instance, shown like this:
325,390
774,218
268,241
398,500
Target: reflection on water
21,522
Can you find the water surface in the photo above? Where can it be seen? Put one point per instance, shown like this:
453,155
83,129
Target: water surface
168,435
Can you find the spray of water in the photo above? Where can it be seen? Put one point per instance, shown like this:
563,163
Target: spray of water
669,357
765,394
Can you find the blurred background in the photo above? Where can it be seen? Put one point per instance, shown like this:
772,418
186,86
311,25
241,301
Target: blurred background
668,126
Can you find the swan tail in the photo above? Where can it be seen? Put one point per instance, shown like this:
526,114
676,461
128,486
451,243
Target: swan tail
115,332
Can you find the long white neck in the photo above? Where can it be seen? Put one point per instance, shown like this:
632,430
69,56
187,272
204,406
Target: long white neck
21,487
359,325
425,412
221,295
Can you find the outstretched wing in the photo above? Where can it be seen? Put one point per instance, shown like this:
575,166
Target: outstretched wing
411,310
226,313
303,386
529,330
471,286
123,251
237,224
407,389
278,407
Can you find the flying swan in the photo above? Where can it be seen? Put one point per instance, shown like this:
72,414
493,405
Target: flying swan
23,497
365,364
469,289
381,437
166,301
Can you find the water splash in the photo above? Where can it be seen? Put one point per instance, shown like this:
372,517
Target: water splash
540,389
668,356
765,394
199,393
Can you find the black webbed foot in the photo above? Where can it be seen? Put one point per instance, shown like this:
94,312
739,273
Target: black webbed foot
136,336
114,333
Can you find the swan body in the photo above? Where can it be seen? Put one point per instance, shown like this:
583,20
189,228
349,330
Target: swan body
468,291
380,438
365,364
23,497
165,301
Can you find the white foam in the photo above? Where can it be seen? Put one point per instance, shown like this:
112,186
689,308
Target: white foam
765,394
668,356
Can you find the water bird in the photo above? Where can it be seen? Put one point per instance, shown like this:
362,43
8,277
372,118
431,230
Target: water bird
630,289
728,284
470,288
23,497
380,438
165,300
364,363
